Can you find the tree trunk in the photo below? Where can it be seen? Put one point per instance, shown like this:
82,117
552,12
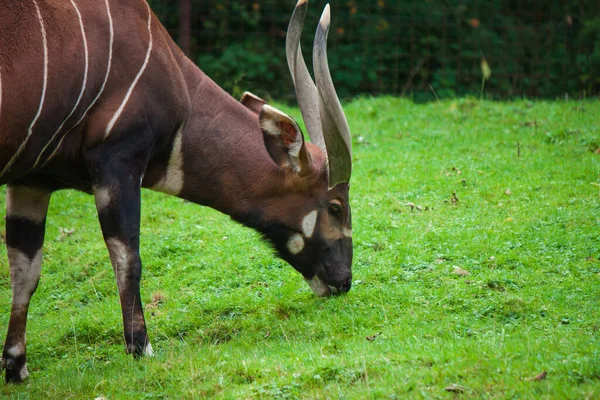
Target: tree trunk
185,13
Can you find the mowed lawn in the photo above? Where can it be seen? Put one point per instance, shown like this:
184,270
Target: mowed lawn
476,268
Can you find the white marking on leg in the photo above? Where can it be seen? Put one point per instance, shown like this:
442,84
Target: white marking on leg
172,182
308,224
25,274
295,244
103,197
114,119
85,76
148,351
23,373
16,350
119,257
108,67
23,202
44,86
347,232
318,286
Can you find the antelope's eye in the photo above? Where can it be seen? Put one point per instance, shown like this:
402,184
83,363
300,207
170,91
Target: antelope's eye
335,209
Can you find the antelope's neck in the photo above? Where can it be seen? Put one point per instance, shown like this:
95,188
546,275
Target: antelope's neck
220,152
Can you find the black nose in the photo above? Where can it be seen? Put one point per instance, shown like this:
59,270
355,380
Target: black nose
346,286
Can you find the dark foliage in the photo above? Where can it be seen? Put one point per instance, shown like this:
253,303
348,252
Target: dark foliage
420,48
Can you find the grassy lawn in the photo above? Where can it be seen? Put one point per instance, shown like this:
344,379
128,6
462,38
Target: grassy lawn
477,247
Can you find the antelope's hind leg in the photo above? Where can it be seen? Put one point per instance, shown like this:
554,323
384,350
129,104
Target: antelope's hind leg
26,210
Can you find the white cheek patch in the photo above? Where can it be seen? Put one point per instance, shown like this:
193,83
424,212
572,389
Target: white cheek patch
347,232
295,244
308,224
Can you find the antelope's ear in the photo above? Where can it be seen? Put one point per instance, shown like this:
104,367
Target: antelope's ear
284,140
252,102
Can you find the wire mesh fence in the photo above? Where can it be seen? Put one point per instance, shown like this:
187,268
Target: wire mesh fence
425,49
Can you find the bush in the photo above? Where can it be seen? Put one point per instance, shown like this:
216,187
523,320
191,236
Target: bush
418,48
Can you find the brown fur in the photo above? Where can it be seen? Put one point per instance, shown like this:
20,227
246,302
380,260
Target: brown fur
225,161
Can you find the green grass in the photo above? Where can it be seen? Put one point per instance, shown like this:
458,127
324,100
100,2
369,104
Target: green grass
228,320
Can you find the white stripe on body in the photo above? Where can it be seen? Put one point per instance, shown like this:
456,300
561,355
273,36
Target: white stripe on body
114,119
44,86
108,67
85,75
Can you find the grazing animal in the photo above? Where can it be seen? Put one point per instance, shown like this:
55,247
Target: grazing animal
95,96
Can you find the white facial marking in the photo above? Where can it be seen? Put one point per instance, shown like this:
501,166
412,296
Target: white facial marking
108,67
148,351
114,119
85,76
295,244
44,86
16,350
25,203
25,274
318,286
308,224
103,197
119,257
172,182
347,232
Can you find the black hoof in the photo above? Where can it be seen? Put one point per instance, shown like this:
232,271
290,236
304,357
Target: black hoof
16,371
138,345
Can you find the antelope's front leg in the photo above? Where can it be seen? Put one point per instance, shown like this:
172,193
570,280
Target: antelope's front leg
26,210
118,204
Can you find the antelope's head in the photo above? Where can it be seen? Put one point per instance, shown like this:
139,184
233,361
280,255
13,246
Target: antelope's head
309,221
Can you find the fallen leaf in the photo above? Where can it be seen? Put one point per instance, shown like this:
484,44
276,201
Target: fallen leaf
454,198
411,205
459,271
508,192
373,337
64,232
539,377
454,388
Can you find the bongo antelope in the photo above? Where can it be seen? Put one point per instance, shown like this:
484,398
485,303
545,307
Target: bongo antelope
95,96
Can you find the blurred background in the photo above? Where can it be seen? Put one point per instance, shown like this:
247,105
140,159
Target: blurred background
421,49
